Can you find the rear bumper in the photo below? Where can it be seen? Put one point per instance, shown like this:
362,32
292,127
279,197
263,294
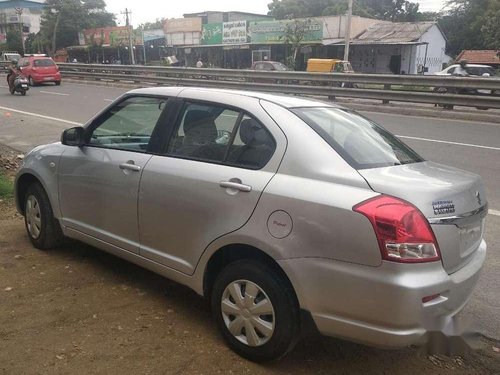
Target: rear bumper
40,78
381,306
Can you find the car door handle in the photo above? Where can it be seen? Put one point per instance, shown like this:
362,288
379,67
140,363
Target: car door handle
236,186
130,167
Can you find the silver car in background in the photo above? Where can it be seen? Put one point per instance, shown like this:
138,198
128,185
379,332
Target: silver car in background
279,210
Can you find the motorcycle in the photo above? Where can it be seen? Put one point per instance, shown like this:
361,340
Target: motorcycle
21,85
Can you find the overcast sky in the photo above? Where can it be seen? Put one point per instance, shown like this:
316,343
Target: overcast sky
149,10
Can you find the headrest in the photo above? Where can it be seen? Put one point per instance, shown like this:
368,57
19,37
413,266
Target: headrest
195,118
252,133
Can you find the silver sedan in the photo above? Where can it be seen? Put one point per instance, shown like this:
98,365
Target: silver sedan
279,210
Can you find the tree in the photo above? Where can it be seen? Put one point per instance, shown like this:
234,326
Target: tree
393,10
63,19
471,24
14,40
158,24
294,35
491,27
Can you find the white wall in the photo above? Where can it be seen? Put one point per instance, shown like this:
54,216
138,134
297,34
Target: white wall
435,52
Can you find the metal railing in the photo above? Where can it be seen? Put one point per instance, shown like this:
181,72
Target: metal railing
442,90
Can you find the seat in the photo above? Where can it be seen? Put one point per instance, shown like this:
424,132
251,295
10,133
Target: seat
258,146
200,133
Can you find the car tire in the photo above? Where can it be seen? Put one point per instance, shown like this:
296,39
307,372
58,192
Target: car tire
58,83
43,229
273,334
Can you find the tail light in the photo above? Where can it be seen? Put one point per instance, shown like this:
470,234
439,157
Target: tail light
403,233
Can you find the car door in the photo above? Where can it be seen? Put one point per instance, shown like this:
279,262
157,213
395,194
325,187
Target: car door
99,182
218,161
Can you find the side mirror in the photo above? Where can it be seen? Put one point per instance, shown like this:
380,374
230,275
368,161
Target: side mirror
73,137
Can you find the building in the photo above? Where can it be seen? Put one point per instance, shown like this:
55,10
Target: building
14,13
399,48
483,57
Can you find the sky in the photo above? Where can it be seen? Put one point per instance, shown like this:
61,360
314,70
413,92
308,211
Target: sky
149,10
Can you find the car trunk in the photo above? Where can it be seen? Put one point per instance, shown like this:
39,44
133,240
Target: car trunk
454,202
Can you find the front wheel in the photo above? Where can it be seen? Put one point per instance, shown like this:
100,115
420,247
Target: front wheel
255,310
42,227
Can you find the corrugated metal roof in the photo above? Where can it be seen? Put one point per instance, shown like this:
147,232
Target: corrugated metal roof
394,32
480,56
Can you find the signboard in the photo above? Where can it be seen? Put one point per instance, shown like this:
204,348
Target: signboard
234,32
273,32
114,36
183,25
211,34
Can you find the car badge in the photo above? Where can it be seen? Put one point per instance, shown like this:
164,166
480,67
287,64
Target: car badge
478,197
443,207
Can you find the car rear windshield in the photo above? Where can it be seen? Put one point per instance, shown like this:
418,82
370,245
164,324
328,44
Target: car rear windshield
43,62
360,141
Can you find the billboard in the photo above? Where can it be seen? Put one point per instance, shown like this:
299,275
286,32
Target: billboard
183,25
211,34
273,32
110,36
234,32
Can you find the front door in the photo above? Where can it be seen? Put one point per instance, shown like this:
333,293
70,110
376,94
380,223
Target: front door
99,182
218,162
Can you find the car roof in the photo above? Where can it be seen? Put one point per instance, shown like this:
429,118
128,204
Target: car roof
471,65
286,101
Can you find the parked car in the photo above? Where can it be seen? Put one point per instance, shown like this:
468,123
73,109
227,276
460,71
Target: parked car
271,66
40,69
472,69
306,212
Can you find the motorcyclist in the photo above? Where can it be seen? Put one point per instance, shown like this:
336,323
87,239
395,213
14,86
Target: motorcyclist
14,71
461,69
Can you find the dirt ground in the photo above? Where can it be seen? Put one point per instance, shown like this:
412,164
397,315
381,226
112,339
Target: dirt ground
77,310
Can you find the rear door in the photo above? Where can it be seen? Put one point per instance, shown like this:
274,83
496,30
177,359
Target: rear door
217,162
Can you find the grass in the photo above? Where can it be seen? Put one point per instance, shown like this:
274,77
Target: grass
6,187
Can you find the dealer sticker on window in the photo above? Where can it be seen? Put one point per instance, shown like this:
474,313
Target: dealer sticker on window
443,207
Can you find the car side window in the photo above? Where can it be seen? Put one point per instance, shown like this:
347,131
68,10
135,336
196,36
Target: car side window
253,145
259,66
451,71
23,63
204,132
129,124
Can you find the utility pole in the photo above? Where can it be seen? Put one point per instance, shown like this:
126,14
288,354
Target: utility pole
130,46
348,31
143,45
19,12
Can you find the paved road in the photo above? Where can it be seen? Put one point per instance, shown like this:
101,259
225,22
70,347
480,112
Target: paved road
466,145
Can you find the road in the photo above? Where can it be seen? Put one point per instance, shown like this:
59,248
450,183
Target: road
41,116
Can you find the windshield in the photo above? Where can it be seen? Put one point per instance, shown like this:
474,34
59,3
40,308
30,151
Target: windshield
280,66
43,62
360,141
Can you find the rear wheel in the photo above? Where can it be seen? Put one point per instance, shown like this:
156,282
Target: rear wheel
255,310
42,227
23,92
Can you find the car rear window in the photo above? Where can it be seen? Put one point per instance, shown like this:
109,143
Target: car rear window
43,62
360,141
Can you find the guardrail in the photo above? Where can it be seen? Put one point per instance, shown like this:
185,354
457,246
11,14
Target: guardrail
442,90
